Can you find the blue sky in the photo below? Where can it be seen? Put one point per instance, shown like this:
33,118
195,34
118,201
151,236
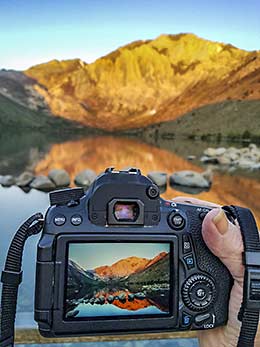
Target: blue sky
33,31
92,255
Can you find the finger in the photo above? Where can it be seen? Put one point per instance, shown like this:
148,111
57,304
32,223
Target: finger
194,201
224,239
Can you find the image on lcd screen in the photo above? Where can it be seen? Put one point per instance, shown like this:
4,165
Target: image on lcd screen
117,279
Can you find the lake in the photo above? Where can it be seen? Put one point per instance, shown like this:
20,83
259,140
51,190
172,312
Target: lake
19,152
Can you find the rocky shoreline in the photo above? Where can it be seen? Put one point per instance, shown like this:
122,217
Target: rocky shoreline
192,182
59,178
232,158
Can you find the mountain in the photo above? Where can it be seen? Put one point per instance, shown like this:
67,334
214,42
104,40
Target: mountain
123,267
79,281
127,266
157,272
230,118
140,84
20,117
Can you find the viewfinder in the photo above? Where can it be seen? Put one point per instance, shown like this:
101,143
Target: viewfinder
126,211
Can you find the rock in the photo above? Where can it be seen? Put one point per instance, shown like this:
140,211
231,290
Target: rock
208,175
209,160
191,157
223,160
122,297
102,299
91,301
24,179
131,297
220,151
252,146
210,152
245,163
159,178
189,179
110,299
229,155
59,177
72,314
97,301
140,296
214,152
244,150
7,180
85,178
42,183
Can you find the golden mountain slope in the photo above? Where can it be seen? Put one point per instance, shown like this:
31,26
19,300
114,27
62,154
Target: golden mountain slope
147,82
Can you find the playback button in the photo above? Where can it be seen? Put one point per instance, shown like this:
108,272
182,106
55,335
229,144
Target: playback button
189,261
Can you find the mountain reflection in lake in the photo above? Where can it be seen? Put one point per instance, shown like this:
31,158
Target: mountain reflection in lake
118,302
97,153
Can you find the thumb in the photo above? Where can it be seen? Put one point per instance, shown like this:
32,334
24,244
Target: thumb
224,239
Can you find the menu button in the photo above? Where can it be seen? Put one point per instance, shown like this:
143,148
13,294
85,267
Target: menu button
59,220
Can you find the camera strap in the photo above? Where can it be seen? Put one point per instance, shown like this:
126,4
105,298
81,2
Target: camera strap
250,307
12,277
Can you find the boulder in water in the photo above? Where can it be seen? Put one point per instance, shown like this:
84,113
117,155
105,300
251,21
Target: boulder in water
159,178
7,180
189,179
42,183
110,299
122,297
85,178
59,177
140,296
24,179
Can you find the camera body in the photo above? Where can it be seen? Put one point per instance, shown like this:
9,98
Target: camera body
120,259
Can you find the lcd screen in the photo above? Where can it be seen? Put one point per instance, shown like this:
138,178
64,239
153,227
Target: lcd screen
109,279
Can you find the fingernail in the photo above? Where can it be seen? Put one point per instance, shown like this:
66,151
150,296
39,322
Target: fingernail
221,222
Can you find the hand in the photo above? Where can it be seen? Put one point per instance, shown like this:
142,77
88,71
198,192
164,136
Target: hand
224,239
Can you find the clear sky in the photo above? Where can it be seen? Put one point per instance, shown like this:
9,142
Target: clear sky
92,255
32,31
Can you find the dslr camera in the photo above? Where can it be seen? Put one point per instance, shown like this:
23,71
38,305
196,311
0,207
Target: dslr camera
120,259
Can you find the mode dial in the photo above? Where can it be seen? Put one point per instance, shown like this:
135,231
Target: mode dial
198,292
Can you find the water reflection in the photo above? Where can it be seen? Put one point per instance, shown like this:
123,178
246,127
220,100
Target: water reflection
100,152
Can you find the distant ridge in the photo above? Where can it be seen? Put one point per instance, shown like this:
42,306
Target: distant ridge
143,83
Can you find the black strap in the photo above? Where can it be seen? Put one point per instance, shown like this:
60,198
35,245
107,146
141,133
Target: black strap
250,307
12,277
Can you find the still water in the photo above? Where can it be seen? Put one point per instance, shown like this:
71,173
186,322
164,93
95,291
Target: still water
97,153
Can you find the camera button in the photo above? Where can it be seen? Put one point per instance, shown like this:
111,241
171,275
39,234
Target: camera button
76,219
59,220
202,318
176,221
186,244
186,319
202,215
189,261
